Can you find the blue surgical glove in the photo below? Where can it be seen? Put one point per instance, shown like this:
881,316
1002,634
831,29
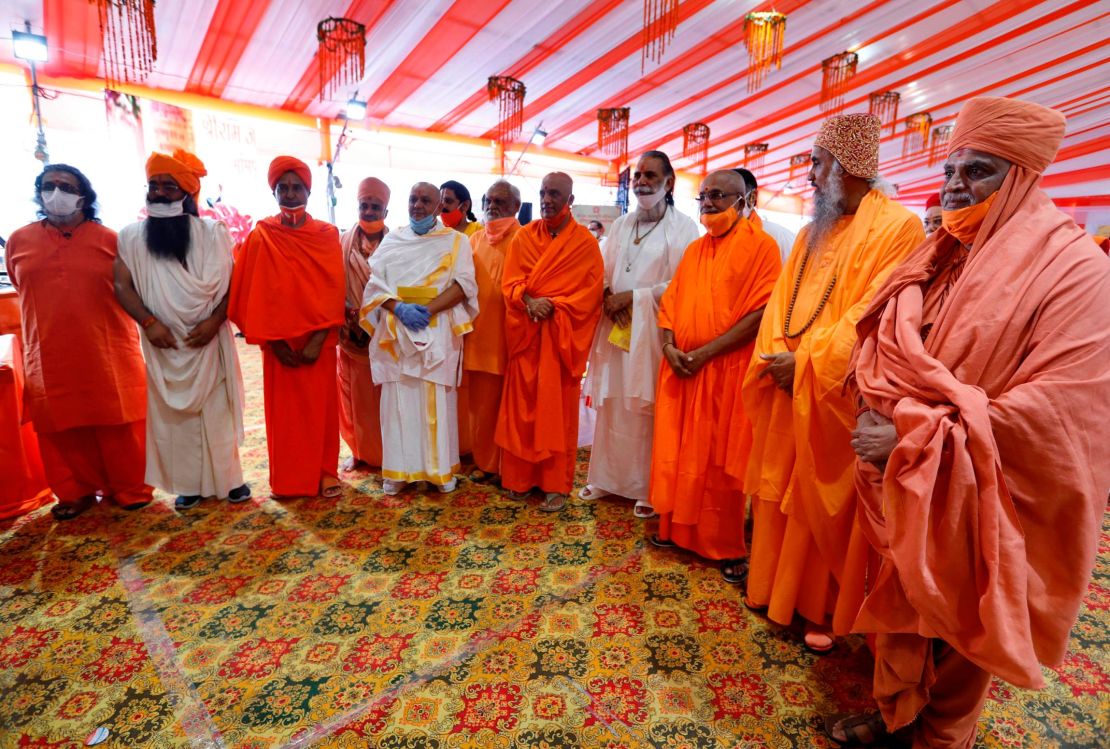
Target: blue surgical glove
412,316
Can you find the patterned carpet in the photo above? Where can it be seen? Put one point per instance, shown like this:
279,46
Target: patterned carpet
460,621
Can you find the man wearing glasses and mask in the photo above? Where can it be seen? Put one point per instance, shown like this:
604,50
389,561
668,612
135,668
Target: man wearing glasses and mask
709,317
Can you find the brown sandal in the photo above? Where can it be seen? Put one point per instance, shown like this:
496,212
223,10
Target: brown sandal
70,510
862,729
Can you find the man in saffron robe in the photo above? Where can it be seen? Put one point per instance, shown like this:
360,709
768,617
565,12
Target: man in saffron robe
484,354
418,305
552,282
641,256
287,293
85,379
984,374
172,276
709,314
932,218
359,395
808,554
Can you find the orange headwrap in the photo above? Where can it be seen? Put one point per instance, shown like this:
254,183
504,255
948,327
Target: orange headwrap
854,140
372,187
283,164
1021,132
185,168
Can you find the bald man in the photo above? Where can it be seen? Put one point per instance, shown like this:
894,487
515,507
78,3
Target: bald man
553,283
484,355
419,303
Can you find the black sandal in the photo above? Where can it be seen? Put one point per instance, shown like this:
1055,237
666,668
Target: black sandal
734,571
863,729
662,543
70,510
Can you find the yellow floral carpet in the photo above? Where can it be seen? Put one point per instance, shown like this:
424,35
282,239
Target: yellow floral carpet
422,620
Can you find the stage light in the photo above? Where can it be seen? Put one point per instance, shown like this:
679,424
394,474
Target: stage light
29,47
356,110
539,136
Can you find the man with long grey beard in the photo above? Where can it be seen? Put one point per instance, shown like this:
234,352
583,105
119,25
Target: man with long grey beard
809,555
172,276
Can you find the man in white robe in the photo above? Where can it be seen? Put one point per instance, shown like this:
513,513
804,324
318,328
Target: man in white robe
172,276
420,301
783,237
641,255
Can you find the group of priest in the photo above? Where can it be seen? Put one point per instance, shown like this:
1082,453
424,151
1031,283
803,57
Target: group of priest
919,423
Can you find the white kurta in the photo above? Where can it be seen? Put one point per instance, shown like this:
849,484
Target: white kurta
194,423
783,237
419,370
621,384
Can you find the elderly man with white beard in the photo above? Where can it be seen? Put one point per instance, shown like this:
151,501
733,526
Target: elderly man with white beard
641,255
172,276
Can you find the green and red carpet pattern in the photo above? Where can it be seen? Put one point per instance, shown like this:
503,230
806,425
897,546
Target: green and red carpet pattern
422,620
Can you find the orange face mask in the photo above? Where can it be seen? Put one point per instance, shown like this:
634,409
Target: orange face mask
964,223
497,228
718,224
557,220
451,219
371,228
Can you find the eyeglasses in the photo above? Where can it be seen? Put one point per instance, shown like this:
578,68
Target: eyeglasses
63,186
714,196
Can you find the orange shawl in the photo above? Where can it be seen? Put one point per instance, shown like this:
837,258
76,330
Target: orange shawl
485,346
543,356
355,242
287,281
989,510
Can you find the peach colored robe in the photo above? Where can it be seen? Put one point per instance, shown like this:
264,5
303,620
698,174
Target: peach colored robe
359,396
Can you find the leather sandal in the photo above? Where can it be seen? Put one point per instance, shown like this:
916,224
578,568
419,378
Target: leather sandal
70,510
553,502
863,729
734,571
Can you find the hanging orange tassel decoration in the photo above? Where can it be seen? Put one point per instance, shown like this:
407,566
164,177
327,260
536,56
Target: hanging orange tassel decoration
509,93
884,105
612,133
342,56
836,72
130,42
695,143
916,138
763,36
799,164
660,22
938,141
753,156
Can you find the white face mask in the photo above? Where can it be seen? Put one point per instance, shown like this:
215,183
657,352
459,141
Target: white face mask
60,205
649,201
166,210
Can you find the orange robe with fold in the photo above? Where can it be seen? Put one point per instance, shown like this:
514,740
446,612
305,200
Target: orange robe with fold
85,377
537,428
808,553
699,421
359,396
995,369
288,283
484,355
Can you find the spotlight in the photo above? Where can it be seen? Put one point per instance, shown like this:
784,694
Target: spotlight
539,136
356,110
29,47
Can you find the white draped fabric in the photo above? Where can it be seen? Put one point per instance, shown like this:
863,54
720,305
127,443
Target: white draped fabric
194,396
619,383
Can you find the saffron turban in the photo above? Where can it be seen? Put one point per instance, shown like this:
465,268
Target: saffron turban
185,168
283,164
1021,132
933,201
854,140
372,187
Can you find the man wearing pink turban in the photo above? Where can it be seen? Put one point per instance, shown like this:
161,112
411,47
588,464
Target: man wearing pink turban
983,370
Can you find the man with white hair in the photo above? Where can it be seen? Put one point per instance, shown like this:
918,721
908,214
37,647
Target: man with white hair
641,256
809,555
419,302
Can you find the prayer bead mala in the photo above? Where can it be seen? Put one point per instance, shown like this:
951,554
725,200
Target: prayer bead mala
794,298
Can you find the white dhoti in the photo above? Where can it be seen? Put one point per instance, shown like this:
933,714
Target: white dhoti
620,460
419,449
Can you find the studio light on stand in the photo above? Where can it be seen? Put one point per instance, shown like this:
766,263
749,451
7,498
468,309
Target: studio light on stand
355,110
31,48
539,135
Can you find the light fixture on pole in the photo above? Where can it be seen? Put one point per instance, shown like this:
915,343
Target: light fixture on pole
32,48
356,110
539,135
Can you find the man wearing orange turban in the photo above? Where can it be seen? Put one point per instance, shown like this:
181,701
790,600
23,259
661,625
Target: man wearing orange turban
808,553
359,396
983,369
172,276
287,295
